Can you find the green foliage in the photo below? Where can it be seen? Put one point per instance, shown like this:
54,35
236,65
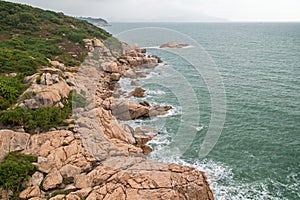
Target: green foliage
12,60
78,101
10,89
31,35
15,170
38,79
114,45
43,117
26,54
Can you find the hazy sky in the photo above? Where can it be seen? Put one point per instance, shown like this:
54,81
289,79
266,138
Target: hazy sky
176,10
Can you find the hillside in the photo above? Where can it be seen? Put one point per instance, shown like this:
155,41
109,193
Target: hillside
29,36
95,21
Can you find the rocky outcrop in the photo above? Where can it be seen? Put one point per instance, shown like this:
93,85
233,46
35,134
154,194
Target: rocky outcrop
99,157
137,92
173,45
47,89
128,109
11,141
66,164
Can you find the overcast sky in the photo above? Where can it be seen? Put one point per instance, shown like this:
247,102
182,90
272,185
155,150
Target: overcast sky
176,10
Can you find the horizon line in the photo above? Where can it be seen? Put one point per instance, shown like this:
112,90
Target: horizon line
203,21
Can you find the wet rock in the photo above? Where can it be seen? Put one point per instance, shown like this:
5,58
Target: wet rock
138,92
134,83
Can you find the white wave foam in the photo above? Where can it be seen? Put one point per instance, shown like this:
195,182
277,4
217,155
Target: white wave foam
220,177
199,128
155,92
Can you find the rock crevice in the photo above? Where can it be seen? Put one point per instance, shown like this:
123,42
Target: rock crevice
99,157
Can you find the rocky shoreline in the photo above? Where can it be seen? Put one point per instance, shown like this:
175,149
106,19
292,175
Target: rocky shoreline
97,157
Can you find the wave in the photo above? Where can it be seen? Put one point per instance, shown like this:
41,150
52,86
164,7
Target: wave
220,177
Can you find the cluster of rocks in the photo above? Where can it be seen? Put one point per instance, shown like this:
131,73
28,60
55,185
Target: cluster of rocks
100,157
128,109
173,45
48,87
66,170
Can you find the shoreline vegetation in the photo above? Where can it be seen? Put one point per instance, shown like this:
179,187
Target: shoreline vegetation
60,137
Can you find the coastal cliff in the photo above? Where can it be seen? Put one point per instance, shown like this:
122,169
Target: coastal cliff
88,153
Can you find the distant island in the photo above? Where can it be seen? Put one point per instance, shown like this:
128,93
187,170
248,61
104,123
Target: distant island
95,21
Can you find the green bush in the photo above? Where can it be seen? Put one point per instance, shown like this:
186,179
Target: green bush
10,89
78,100
15,170
43,117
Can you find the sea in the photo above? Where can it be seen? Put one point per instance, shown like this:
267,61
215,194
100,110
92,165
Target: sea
235,93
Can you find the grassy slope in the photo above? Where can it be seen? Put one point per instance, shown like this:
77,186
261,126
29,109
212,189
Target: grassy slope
28,36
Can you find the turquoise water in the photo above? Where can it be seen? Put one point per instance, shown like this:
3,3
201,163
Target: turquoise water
258,153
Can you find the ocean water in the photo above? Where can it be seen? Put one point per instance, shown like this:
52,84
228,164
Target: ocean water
257,155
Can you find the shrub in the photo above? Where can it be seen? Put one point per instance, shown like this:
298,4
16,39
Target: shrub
15,170
78,100
10,89
43,117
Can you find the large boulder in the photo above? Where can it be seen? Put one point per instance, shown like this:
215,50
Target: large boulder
49,93
52,180
137,92
11,141
128,109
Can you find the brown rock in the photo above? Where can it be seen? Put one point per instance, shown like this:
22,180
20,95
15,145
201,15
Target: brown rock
173,45
138,92
117,193
144,134
82,181
36,179
11,141
49,94
97,43
126,110
134,83
58,197
30,192
52,180
70,171
145,103
72,196
130,74
83,193
115,76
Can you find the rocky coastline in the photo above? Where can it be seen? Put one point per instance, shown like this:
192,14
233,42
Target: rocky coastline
96,156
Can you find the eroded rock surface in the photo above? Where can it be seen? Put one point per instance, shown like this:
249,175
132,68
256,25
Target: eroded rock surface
101,158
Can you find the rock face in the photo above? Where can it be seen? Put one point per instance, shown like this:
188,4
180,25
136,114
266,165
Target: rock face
138,92
11,141
99,157
49,91
173,45
127,110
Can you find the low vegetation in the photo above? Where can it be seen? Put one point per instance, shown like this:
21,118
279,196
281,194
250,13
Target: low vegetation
10,89
29,36
15,170
43,117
